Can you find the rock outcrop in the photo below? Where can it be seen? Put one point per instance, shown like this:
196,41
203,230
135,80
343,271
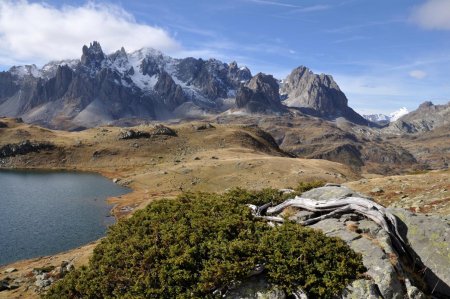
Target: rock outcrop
260,95
422,270
318,95
132,134
23,148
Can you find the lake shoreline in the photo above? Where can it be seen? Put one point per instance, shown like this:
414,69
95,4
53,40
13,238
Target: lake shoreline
89,217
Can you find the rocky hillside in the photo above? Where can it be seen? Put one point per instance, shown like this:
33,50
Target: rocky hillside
362,148
425,118
129,88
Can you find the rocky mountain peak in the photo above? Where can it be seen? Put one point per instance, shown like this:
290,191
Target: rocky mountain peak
319,92
260,95
265,83
425,105
318,95
148,84
93,55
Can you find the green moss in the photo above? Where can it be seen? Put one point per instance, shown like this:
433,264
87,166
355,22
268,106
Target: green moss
198,243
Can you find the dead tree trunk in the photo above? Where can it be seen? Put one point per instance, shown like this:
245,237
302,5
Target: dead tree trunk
334,209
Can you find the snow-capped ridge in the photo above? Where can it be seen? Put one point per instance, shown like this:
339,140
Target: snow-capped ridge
397,114
383,118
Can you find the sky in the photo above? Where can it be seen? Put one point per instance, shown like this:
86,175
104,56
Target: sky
383,54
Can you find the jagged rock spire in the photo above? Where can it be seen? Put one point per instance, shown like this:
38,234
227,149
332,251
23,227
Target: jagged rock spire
92,55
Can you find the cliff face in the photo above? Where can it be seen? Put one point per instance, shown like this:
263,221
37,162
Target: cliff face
318,95
261,94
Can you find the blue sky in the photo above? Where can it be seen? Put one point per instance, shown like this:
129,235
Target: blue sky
383,54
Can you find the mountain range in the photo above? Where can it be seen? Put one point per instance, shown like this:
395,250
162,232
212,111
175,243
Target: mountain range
307,114
384,119
148,85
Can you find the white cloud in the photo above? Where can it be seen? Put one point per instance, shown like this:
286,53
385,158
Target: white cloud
38,32
275,3
417,74
433,14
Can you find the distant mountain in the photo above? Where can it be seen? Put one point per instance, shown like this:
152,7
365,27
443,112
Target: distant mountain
317,94
383,119
397,114
126,88
425,118
379,118
261,94
101,88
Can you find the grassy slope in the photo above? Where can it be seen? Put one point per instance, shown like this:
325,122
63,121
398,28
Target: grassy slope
162,166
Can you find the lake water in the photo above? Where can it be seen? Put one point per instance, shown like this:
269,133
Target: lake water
43,213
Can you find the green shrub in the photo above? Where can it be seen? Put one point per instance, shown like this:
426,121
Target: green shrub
198,243
302,257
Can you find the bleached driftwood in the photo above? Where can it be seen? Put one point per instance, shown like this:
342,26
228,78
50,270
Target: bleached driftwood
334,208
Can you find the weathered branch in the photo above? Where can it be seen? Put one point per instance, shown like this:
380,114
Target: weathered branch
334,208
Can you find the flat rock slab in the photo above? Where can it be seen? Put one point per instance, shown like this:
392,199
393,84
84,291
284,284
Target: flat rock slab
331,192
429,236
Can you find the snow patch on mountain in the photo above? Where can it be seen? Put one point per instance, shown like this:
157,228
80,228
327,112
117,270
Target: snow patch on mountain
26,70
383,118
397,114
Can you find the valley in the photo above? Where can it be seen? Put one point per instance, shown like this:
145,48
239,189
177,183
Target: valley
166,126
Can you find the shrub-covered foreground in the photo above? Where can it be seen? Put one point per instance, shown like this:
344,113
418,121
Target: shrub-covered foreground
199,243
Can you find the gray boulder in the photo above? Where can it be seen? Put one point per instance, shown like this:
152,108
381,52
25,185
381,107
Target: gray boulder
331,192
429,237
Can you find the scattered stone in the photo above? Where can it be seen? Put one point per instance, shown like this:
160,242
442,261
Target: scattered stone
204,127
286,191
163,130
10,270
196,158
186,171
214,158
377,190
3,125
4,285
131,134
115,180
